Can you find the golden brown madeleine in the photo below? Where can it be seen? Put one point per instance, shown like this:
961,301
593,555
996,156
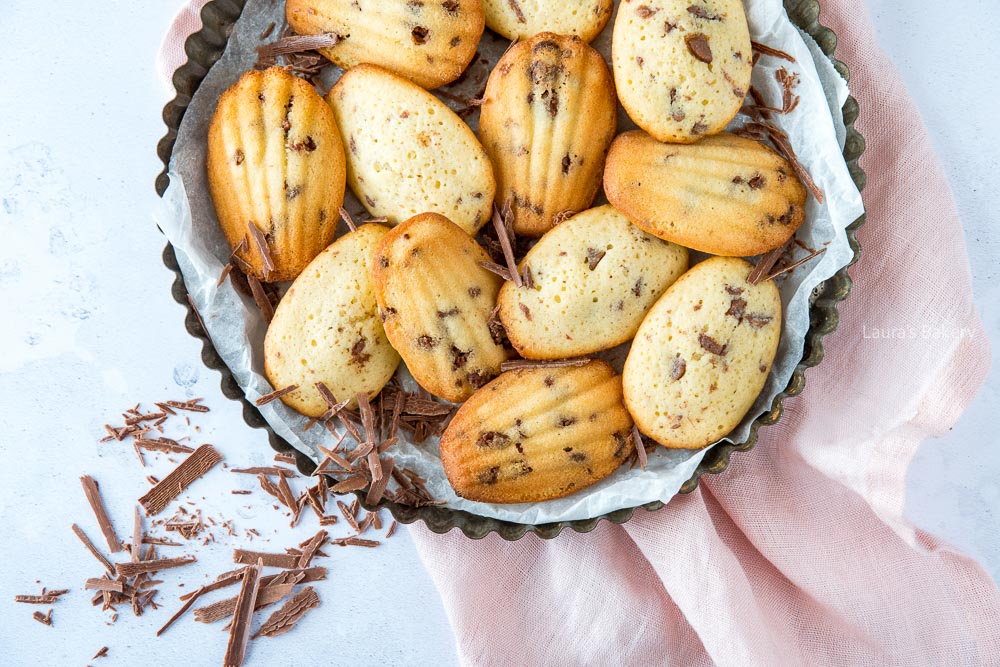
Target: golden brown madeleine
326,328
594,277
682,67
548,119
275,161
523,19
408,153
429,42
702,355
725,195
435,301
538,433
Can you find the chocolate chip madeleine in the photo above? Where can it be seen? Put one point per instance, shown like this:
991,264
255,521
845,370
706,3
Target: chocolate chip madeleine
276,172
538,433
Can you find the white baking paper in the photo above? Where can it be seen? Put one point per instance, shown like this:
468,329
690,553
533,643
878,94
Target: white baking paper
816,130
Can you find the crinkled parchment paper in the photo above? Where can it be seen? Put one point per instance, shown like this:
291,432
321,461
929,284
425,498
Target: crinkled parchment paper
237,329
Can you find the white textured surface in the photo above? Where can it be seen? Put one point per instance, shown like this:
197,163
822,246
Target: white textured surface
89,327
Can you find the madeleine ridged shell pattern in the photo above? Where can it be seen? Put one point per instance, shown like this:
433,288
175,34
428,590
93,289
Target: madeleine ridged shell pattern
435,301
547,122
538,433
725,195
275,161
430,43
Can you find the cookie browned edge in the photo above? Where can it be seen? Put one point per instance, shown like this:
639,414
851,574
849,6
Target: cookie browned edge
205,47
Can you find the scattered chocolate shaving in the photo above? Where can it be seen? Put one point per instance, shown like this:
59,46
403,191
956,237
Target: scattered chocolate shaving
162,445
239,632
265,470
267,31
790,267
129,570
640,446
289,614
392,529
501,271
44,598
503,222
355,542
192,405
93,494
260,298
277,393
348,515
93,550
44,619
514,364
378,487
194,466
297,44
764,264
284,561
348,220
768,51
311,547
104,584
262,247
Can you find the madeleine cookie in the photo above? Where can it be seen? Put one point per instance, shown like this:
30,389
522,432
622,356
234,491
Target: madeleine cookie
594,277
435,301
326,328
523,19
682,69
275,161
408,153
725,195
538,433
547,122
702,355
430,43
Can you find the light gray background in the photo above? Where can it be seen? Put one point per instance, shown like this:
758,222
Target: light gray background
88,327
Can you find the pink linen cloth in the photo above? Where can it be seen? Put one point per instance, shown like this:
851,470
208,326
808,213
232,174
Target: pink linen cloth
799,553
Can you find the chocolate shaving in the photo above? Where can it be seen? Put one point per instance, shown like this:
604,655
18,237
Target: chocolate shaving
378,486
514,364
283,619
355,542
348,220
283,561
260,298
311,547
392,529
45,598
262,248
265,470
277,393
789,268
44,619
97,505
190,405
640,446
297,44
130,570
768,51
503,222
93,550
239,632
104,584
162,445
501,271
194,466
348,516
764,264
